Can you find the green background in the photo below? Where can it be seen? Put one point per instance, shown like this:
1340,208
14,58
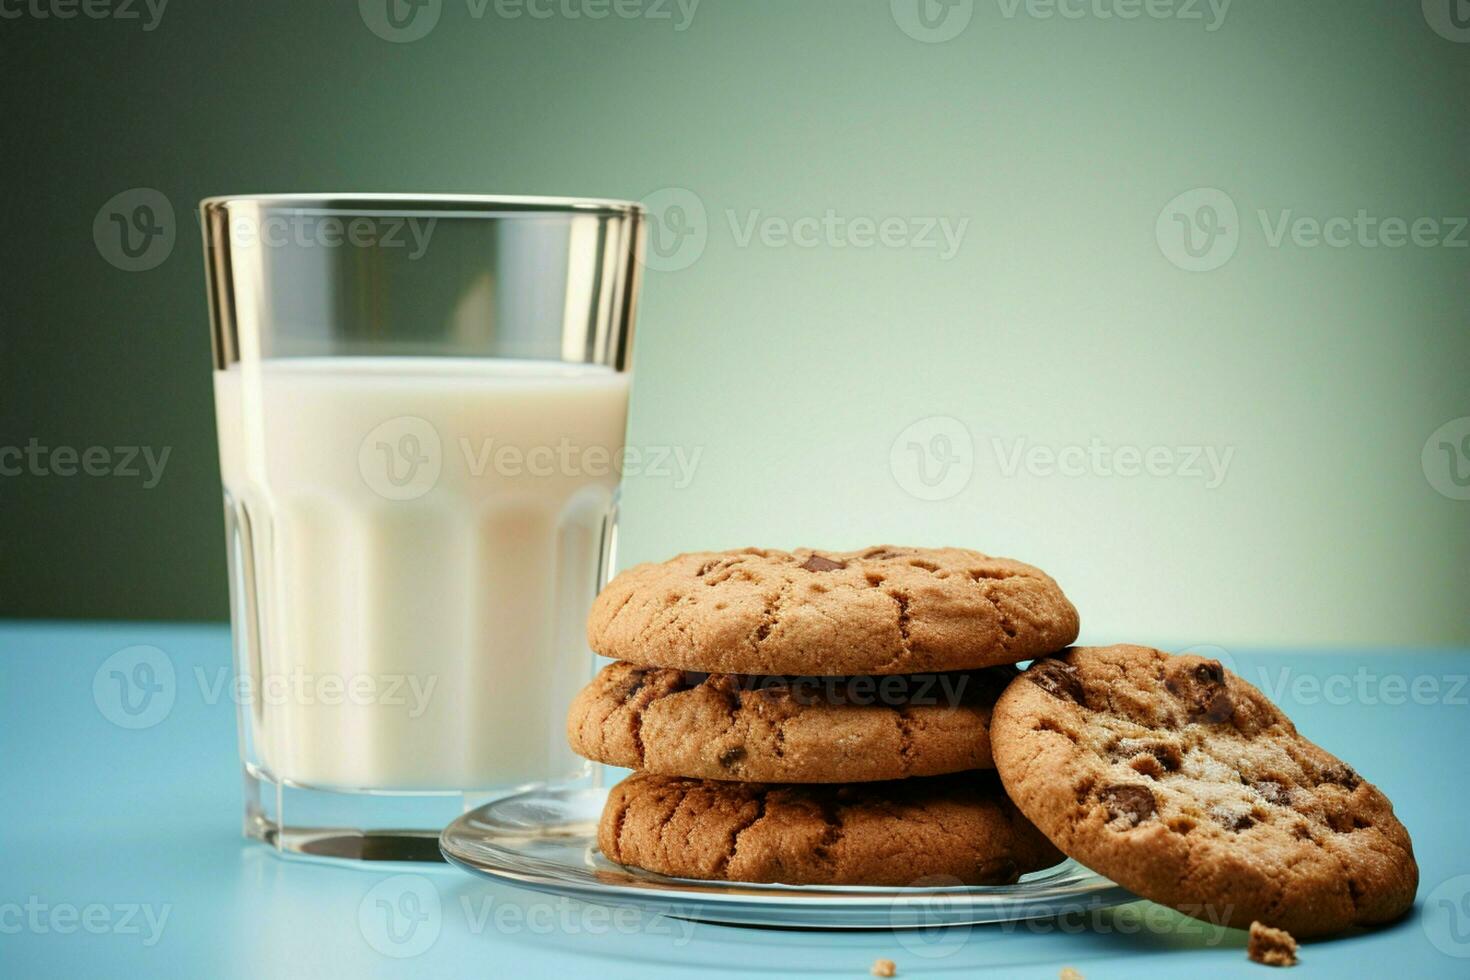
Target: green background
794,369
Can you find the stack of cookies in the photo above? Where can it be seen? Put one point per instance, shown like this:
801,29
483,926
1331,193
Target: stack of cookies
816,717
855,718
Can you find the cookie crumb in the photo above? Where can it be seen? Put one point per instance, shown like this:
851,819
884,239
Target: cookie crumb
884,968
1069,974
1273,947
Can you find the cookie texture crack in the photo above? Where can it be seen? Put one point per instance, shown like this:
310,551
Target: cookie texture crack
619,812
1007,628
902,601
905,724
742,829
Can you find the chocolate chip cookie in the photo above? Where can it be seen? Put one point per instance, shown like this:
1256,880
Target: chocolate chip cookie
1183,783
882,610
956,827
786,729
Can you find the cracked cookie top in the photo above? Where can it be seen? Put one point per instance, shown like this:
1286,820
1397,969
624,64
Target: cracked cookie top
1184,784
956,829
881,610
786,729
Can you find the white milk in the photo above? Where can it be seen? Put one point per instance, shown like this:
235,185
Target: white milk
415,628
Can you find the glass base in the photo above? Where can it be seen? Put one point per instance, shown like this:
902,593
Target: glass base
352,825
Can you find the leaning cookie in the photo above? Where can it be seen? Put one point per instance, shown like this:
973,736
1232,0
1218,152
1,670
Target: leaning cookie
951,827
882,610
1184,784
786,729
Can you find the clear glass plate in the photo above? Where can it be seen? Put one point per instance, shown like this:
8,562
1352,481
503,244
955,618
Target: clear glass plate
546,840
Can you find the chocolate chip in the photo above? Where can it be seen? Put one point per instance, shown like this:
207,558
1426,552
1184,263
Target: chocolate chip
1341,774
775,703
637,678
1202,689
726,687
1345,823
997,871
1272,792
1057,678
1168,755
1128,806
816,563
732,755
1232,819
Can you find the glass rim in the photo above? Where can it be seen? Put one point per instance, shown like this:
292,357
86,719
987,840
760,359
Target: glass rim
470,205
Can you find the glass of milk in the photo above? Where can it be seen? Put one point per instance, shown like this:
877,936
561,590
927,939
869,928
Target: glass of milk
421,406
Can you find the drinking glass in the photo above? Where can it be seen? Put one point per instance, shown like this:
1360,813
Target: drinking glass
421,404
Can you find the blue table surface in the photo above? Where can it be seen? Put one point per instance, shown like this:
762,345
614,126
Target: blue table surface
121,855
